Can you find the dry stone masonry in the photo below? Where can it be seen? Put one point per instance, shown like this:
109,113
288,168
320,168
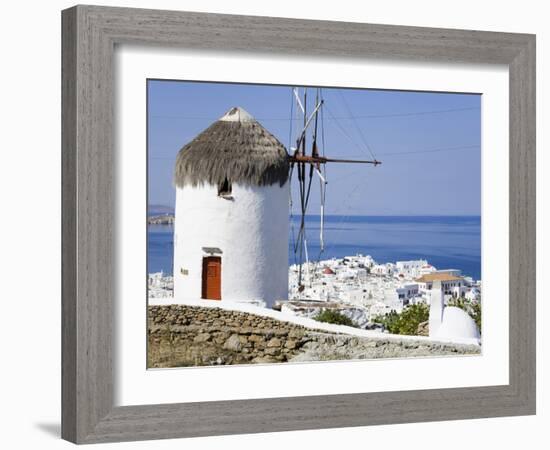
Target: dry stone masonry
181,335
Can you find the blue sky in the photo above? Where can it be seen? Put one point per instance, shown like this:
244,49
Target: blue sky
429,143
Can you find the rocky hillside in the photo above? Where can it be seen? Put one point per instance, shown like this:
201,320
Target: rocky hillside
181,335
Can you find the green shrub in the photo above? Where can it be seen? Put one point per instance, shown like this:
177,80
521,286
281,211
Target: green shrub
407,321
332,316
389,320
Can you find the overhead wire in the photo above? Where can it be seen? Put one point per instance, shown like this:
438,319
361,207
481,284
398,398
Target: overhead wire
431,150
351,117
413,152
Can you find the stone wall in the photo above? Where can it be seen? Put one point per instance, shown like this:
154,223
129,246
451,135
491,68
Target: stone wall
181,335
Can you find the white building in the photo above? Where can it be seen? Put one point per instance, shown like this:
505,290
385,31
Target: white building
160,285
450,284
231,218
455,272
473,295
407,291
383,269
411,269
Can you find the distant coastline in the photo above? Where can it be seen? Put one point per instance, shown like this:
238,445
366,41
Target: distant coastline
163,219
161,210
447,242
160,217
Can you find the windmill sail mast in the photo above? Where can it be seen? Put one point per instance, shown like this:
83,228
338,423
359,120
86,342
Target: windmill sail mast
301,159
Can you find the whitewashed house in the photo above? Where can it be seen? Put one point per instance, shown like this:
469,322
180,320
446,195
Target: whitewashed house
407,291
383,269
455,272
410,269
448,282
473,295
231,218
425,269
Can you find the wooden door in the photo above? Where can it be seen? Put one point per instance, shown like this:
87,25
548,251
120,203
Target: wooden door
212,278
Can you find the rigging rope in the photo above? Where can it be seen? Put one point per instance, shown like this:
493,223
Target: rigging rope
323,186
301,178
361,135
291,205
343,131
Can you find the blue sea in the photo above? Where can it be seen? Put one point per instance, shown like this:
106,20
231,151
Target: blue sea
447,242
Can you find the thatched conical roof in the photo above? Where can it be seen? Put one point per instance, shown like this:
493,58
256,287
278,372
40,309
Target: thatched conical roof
236,148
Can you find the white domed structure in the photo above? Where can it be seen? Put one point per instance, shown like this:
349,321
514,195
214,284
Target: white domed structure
449,323
231,217
456,324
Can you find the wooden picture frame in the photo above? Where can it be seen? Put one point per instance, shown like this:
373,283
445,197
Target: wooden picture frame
90,34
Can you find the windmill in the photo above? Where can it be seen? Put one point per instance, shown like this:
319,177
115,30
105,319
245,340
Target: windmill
309,165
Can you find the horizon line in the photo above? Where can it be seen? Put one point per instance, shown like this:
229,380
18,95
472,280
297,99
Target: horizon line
370,214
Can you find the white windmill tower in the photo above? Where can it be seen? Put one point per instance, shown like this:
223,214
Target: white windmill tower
231,217
232,207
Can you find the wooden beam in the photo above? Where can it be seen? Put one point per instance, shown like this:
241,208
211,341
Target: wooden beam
322,160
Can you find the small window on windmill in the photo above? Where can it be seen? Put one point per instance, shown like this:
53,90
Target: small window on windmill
224,189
